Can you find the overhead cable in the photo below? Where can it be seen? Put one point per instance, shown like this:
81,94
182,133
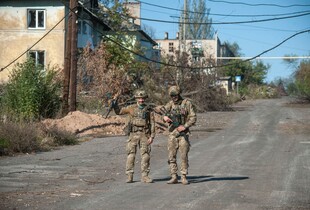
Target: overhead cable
226,23
35,42
255,5
178,66
216,14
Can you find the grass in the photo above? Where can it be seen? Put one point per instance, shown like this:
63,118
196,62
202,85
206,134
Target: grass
23,137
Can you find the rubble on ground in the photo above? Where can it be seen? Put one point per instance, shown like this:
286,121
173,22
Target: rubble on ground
84,124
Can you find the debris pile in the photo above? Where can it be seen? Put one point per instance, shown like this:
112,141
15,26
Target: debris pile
84,124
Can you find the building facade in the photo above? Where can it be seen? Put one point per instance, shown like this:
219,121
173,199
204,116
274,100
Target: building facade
38,29
201,51
23,28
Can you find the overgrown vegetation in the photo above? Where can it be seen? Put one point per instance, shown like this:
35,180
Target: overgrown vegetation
31,93
300,87
252,73
22,137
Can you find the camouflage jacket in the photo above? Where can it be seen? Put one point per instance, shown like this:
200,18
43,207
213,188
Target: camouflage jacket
183,111
139,118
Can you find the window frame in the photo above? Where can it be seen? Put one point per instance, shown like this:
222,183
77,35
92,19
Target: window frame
36,18
36,59
171,47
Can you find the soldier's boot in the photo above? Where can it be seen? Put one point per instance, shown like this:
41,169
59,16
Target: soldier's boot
146,179
129,178
173,180
184,180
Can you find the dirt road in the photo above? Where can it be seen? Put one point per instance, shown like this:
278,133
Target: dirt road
255,158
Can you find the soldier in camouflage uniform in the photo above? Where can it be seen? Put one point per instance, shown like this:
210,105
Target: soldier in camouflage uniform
141,133
181,115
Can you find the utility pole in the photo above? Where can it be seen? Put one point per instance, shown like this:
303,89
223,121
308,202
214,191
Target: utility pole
70,65
180,70
184,25
67,64
73,72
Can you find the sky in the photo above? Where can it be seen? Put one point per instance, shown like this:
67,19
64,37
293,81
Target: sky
252,38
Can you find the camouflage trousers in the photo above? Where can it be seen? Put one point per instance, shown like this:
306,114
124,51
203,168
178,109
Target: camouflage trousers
175,144
138,139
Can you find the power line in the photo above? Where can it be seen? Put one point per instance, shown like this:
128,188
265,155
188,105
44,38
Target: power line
178,66
255,5
265,43
264,58
257,28
216,14
301,32
167,64
146,58
34,43
226,23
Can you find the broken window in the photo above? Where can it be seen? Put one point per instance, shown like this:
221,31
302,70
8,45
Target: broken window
84,29
171,48
79,27
36,18
38,56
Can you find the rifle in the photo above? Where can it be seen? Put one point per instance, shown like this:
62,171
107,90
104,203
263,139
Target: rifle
112,105
174,117
114,100
176,122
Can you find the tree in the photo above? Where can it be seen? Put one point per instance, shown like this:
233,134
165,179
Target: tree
250,72
200,25
301,86
291,63
149,30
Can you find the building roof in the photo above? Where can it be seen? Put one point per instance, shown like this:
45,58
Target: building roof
93,15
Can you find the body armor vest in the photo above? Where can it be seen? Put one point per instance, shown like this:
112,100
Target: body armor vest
141,117
179,112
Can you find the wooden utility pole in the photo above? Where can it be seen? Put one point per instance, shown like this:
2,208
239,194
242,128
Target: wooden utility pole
66,81
70,66
73,73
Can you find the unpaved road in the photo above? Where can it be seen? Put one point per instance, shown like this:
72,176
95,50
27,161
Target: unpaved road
259,158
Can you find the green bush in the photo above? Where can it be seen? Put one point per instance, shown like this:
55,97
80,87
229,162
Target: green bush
32,92
300,87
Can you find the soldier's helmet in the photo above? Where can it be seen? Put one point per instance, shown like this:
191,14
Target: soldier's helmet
141,94
174,90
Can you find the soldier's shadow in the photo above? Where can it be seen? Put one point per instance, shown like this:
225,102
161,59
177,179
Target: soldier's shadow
199,179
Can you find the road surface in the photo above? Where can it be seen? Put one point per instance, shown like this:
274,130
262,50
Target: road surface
260,159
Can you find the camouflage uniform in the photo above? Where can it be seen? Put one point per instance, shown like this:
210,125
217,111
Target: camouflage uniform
183,113
142,127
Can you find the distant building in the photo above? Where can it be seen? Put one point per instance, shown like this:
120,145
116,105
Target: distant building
225,83
200,50
204,52
134,10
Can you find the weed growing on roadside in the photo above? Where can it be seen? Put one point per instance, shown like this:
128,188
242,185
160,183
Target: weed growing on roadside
23,137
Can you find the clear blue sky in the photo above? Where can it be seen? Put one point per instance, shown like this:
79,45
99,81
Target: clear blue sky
253,38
